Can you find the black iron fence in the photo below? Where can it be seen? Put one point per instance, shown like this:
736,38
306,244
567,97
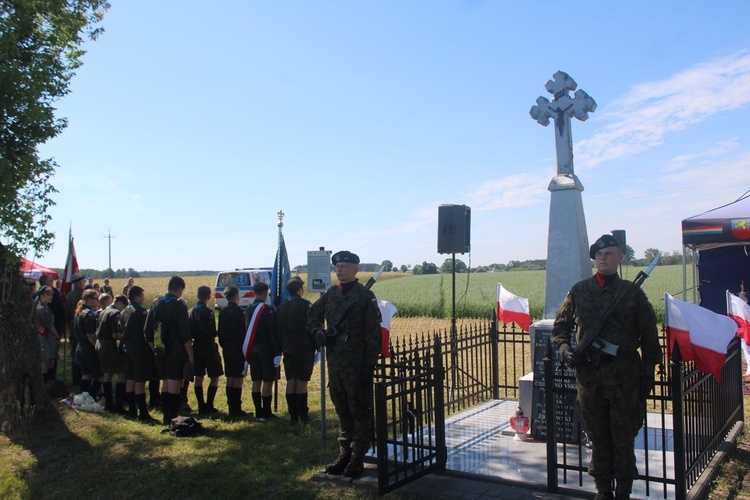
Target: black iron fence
689,417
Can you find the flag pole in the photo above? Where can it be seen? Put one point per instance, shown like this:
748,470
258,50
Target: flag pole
276,302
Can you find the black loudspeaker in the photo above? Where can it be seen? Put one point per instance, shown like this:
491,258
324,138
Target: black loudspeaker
619,235
454,229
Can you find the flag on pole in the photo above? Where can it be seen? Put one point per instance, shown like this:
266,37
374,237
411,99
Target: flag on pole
512,309
739,311
387,310
252,330
703,335
281,273
71,266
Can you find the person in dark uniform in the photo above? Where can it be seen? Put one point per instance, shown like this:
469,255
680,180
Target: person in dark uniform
110,359
351,362
105,288
137,347
205,351
47,332
611,389
71,303
231,337
171,314
126,288
298,348
260,318
57,306
84,328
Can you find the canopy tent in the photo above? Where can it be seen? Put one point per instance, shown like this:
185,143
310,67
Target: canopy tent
721,238
34,271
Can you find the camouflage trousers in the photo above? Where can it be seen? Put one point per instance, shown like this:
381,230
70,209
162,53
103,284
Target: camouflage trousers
353,403
611,414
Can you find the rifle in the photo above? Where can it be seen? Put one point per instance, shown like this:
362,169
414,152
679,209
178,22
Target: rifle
592,339
333,333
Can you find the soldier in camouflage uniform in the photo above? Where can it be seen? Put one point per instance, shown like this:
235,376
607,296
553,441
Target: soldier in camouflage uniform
611,389
351,361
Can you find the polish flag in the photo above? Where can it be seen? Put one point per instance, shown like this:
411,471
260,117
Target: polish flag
739,311
71,267
512,309
703,335
387,310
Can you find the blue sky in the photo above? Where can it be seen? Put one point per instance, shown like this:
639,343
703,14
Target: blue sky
190,127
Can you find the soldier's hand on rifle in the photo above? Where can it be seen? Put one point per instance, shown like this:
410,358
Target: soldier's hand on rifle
320,338
647,385
571,358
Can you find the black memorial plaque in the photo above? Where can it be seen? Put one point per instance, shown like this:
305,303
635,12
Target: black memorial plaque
566,409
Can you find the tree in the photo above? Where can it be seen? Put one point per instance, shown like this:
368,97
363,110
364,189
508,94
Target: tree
388,265
40,46
629,254
650,253
429,268
447,266
404,268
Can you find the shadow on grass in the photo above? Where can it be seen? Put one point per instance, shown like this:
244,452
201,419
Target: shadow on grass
76,455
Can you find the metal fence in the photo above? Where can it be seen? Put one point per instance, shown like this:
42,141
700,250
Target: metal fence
689,416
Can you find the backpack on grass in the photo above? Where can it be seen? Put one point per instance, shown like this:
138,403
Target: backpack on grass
185,427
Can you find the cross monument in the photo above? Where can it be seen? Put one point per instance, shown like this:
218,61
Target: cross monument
567,241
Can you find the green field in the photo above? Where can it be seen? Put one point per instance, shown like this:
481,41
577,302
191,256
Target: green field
430,295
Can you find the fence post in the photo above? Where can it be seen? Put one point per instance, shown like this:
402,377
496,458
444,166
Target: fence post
439,387
549,417
381,435
495,342
675,368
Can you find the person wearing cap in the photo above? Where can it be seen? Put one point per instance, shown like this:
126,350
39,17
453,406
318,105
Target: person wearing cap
170,313
611,389
137,348
352,355
71,303
298,348
47,333
205,351
260,318
231,337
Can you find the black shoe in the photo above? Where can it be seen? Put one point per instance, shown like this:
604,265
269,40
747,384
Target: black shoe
604,496
339,463
355,467
148,420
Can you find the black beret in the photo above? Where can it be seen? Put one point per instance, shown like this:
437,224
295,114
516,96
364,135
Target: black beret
605,241
345,256
294,284
231,289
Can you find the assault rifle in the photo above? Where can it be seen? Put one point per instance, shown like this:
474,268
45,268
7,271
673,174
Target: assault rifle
333,332
591,339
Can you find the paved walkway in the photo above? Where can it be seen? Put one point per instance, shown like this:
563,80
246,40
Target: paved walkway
484,461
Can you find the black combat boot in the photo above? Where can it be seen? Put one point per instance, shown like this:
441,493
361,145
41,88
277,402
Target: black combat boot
340,462
355,467
604,496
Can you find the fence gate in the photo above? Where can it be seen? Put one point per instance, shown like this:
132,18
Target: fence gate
410,417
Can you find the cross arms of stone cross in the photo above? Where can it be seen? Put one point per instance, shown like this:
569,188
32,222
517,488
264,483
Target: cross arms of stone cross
562,104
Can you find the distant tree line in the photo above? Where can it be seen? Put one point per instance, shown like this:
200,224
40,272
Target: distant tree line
132,273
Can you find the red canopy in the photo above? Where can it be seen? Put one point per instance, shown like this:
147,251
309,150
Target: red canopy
34,271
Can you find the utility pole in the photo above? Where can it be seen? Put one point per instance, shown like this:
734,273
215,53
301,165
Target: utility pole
109,237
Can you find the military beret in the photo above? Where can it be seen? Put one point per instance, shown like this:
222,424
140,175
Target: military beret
260,287
77,277
605,241
294,284
345,256
230,290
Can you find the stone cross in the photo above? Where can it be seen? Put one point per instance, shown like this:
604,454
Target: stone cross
561,109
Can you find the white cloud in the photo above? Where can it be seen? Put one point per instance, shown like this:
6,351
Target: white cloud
650,111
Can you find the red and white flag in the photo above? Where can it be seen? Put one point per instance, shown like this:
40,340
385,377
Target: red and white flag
703,335
252,330
739,311
387,310
511,308
71,267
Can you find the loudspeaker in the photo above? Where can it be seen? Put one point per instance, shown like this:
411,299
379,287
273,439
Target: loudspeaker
619,235
454,229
